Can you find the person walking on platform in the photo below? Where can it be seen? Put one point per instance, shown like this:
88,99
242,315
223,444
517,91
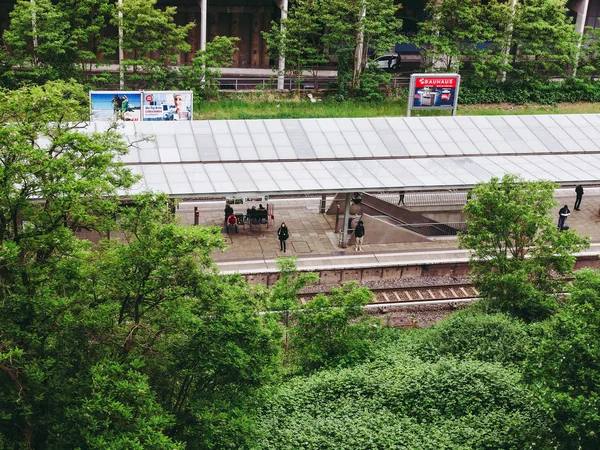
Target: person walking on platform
283,234
228,212
359,234
562,217
579,192
232,222
401,198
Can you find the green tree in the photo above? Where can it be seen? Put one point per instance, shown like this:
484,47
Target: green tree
544,39
300,40
565,366
87,20
152,41
589,58
456,31
283,296
54,178
350,35
202,75
333,329
40,41
519,257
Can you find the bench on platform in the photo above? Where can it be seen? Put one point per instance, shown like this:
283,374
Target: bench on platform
257,216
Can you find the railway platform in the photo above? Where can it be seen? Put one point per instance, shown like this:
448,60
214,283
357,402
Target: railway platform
253,251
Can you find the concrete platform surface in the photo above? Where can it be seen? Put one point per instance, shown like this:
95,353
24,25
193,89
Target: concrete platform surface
254,249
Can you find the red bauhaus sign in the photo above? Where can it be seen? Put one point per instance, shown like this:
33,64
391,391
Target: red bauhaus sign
433,91
436,82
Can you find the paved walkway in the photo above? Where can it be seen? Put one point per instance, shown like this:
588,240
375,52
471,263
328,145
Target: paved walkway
255,248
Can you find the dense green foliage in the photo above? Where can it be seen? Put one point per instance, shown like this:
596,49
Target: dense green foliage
400,401
519,257
565,365
135,341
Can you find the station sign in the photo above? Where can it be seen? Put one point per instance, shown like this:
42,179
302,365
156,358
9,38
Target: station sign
433,91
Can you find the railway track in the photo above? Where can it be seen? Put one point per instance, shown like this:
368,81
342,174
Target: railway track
405,295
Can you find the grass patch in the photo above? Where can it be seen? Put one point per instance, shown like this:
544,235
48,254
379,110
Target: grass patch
268,105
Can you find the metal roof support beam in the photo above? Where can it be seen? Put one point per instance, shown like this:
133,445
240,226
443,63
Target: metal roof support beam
344,240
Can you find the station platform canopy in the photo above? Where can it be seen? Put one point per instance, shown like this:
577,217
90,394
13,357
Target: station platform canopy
312,156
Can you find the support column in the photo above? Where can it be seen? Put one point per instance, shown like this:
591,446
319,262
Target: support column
346,217
508,39
203,7
580,29
255,45
323,205
283,4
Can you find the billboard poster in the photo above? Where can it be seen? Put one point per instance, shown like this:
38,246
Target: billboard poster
167,105
433,91
115,105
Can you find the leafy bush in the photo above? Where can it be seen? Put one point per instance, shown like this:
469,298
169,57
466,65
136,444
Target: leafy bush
571,90
470,335
565,366
403,404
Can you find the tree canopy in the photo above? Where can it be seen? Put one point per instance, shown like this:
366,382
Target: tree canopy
519,257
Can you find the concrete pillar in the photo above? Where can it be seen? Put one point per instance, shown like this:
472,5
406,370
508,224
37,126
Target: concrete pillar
203,7
283,4
346,217
582,12
256,44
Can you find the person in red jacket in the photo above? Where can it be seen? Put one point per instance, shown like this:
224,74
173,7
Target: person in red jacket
232,222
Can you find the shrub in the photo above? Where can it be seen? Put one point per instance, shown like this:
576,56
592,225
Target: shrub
470,335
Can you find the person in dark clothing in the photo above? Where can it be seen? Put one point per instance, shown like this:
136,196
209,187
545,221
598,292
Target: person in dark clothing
562,217
359,233
401,198
283,234
228,212
579,192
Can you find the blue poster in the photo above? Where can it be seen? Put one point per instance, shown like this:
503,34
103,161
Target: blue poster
115,105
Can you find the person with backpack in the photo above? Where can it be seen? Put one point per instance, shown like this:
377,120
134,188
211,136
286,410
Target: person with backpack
283,234
359,234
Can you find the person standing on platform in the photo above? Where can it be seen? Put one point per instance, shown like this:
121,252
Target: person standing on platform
359,234
401,198
228,212
579,192
232,222
283,234
562,217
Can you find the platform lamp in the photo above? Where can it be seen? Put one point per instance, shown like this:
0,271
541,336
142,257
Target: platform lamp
356,198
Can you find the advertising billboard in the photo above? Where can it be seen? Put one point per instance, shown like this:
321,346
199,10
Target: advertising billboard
115,105
167,105
433,91
141,105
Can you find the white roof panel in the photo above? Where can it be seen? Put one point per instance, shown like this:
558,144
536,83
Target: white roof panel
375,154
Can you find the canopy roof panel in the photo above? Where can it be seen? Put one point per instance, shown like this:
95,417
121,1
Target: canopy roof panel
229,157
376,138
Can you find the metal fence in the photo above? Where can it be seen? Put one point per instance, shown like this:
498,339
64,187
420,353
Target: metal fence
449,198
435,229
